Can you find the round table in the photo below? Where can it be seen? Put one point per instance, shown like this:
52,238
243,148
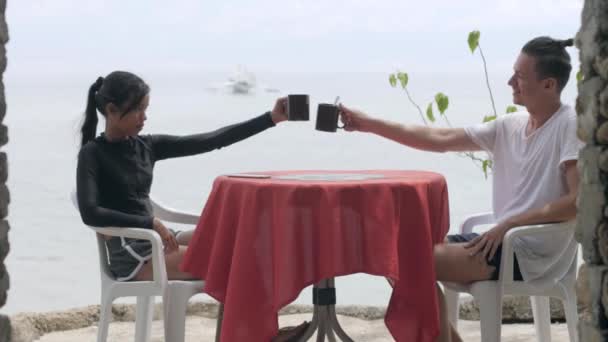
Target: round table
260,241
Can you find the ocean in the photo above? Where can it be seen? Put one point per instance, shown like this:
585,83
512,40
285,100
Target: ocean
53,260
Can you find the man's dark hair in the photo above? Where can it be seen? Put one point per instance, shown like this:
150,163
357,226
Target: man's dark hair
552,59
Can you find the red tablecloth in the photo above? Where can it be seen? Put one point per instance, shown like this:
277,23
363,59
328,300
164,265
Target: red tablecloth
259,242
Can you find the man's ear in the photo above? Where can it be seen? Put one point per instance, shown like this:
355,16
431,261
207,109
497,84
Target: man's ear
550,83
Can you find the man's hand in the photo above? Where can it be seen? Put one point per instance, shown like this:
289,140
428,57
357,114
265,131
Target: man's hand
354,120
487,243
169,241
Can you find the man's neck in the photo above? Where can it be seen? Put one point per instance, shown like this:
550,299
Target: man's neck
540,114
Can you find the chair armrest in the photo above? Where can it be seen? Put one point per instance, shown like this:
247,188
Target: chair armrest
168,214
506,262
132,233
470,222
159,268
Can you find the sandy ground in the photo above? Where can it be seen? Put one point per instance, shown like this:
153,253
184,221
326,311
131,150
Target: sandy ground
203,329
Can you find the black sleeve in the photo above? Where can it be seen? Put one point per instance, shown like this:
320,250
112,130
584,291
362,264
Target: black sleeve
168,146
87,188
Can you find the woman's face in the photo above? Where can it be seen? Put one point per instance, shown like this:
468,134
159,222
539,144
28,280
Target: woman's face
131,123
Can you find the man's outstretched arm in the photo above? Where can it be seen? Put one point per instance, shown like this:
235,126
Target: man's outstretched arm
415,136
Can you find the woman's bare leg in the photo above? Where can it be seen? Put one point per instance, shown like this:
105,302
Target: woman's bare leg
184,237
172,261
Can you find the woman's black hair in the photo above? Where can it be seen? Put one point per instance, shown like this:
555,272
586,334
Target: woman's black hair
123,89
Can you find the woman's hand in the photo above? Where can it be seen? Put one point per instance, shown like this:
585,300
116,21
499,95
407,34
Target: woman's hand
354,120
487,243
168,238
279,112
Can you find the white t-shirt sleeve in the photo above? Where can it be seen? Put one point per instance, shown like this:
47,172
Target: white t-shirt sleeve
571,144
484,135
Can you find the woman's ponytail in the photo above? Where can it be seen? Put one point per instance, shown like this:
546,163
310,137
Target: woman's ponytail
89,127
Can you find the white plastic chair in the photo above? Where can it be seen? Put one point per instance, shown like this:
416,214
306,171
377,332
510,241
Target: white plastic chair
489,293
175,293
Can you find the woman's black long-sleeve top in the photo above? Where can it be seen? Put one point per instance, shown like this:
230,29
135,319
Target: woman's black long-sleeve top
113,178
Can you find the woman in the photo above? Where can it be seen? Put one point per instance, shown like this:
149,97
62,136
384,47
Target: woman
114,173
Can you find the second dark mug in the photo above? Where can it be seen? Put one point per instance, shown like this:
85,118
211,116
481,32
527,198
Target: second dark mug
297,108
327,117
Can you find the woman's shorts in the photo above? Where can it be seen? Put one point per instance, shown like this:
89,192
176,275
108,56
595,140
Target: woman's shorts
127,256
495,261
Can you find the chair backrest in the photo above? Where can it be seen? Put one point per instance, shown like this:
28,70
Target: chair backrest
565,271
104,267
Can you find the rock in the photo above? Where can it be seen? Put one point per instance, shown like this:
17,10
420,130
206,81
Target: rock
23,329
205,309
598,276
28,327
603,161
603,98
601,66
590,204
602,133
602,242
515,309
586,107
583,292
587,332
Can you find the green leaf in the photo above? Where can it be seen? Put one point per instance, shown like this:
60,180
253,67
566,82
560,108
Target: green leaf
429,112
442,102
511,109
403,79
392,79
486,165
473,40
579,76
489,118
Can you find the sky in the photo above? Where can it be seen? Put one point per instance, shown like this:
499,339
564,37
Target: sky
75,36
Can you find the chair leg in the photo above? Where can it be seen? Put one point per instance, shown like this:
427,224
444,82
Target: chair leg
105,316
175,315
452,305
571,316
542,317
143,318
489,299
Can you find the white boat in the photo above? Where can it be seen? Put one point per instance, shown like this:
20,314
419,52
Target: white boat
242,81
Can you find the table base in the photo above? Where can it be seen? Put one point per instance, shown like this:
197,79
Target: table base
324,319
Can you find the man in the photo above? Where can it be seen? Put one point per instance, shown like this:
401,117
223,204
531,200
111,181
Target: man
535,179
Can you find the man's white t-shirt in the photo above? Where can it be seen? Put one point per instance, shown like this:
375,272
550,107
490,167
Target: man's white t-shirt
528,173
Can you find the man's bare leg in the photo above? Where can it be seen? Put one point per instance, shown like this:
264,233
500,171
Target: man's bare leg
454,263
445,333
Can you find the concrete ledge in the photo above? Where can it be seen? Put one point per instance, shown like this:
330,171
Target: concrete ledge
27,327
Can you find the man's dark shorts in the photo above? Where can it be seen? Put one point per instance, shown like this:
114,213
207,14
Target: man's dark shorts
458,238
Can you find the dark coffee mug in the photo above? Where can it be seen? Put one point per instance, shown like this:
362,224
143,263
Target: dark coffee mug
297,108
327,117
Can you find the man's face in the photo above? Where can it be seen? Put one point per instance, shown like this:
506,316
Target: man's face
526,85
